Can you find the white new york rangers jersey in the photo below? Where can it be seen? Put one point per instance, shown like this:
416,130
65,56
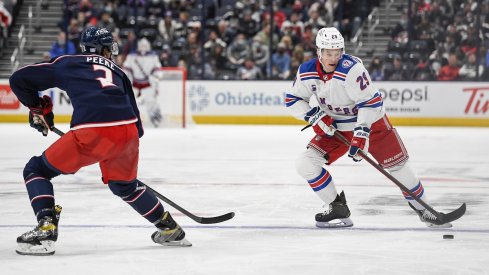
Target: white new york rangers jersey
347,95
140,67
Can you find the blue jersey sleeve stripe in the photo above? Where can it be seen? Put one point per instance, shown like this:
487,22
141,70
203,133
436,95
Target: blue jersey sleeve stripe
291,99
375,99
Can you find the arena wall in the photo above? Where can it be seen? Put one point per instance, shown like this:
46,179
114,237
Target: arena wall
262,102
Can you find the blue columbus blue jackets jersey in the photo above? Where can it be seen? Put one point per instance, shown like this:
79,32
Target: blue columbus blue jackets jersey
100,92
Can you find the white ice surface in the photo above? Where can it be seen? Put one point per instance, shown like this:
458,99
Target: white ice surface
211,170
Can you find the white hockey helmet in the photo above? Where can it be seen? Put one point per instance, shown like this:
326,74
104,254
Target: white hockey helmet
329,38
144,46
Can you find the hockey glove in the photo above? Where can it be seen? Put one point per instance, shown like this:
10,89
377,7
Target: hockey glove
322,124
359,142
41,117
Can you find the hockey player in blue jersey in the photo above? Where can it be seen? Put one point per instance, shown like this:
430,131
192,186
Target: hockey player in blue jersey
334,92
105,129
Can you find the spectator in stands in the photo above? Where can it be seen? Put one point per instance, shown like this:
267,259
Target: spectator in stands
239,50
468,71
397,72
181,27
198,68
348,19
287,41
154,9
325,8
288,30
62,46
249,71
167,59
423,71
74,31
86,7
315,21
451,70
5,18
259,54
167,27
107,22
247,25
296,60
454,33
130,45
469,43
218,58
264,36
376,70
400,27
281,63
225,32
298,55
308,40
213,41
297,24
278,15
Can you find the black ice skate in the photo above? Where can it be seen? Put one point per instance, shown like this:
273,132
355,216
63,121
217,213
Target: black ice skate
169,232
337,215
429,219
40,240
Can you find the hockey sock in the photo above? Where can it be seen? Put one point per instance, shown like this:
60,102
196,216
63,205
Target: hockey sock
405,174
41,195
37,175
141,199
323,186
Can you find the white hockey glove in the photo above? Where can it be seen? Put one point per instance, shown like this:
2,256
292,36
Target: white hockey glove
359,141
322,124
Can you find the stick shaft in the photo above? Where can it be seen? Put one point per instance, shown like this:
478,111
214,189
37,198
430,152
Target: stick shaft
387,174
205,220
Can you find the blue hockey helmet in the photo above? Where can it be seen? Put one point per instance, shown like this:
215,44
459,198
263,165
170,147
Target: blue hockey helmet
94,39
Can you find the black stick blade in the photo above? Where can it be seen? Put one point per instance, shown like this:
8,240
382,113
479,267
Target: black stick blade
454,215
218,219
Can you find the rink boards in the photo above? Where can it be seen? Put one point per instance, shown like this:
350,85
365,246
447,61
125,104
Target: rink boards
262,102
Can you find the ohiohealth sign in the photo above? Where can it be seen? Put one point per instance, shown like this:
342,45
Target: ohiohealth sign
406,103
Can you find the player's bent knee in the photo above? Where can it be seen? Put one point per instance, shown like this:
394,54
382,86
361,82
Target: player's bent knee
307,166
123,188
36,167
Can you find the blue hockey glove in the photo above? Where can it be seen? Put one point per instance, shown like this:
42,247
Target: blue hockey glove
41,117
359,142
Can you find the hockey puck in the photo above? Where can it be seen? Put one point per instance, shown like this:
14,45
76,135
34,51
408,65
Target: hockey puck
449,237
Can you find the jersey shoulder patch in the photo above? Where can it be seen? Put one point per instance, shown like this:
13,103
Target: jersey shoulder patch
344,66
308,71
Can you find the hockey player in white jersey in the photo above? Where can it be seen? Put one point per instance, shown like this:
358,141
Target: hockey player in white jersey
141,67
334,92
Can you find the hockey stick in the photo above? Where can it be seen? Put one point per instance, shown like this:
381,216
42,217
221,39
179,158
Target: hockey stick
203,220
444,218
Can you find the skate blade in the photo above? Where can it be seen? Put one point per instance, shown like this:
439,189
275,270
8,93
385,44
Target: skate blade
346,222
181,243
445,225
45,249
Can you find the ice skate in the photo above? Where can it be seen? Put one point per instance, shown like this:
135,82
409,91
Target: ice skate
337,214
169,233
40,240
429,219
